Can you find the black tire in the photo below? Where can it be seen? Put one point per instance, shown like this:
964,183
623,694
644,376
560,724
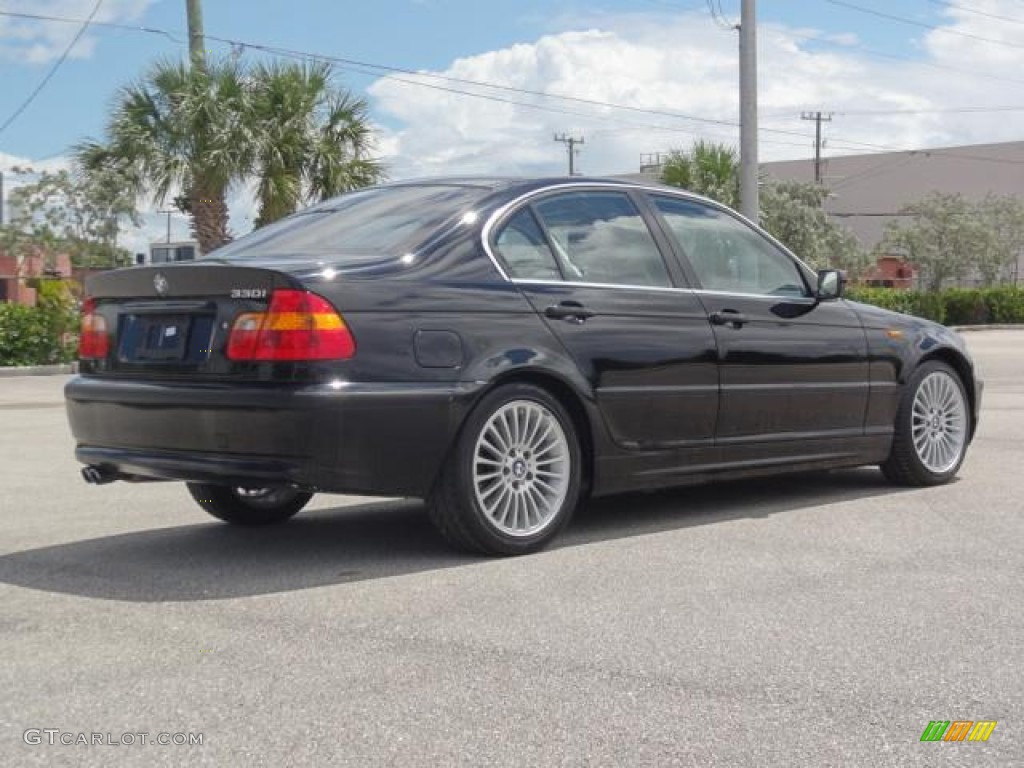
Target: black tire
455,505
249,506
905,465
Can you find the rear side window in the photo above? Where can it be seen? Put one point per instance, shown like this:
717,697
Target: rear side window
600,237
524,249
371,222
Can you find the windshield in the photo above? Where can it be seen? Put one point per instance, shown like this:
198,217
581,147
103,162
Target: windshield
381,220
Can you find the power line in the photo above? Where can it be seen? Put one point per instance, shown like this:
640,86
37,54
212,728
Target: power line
53,70
934,111
394,73
923,25
719,17
108,24
975,11
391,71
376,70
923,111
897,57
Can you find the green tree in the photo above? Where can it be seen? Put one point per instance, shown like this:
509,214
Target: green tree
190,134
180,129
793,213
312,139
78,214
1003,215
708,169
943,235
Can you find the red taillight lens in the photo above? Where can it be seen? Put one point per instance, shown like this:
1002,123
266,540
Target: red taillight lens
93,341
296,326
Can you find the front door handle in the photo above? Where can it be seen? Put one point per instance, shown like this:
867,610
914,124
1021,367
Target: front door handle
728,317
570,311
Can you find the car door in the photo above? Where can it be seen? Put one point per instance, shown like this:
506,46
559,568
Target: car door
588,262
792,368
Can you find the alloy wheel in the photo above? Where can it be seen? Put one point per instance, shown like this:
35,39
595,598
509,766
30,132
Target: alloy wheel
521,468
939,422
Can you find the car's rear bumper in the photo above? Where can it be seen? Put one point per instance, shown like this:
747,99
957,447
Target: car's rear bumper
382,439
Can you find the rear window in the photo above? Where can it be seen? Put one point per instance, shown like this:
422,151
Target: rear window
382,220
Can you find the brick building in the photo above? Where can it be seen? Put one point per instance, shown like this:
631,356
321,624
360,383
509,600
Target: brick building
14,276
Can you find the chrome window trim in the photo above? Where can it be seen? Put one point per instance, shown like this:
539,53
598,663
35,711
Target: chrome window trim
585,185
765,296
699,291
577,284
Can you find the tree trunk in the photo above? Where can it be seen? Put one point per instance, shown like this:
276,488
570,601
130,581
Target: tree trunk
209,220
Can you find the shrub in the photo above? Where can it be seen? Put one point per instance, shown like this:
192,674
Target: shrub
1005,305
966,307
25,336
41,335
954,306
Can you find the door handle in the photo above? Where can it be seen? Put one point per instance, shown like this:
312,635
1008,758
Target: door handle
728,317
570,311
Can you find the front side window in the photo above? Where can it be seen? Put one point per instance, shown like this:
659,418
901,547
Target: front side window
726,254
600,237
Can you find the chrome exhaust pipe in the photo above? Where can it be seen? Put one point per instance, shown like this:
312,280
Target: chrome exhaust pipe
97,475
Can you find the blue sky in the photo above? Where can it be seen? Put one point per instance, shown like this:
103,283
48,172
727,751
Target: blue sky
887,81
415,34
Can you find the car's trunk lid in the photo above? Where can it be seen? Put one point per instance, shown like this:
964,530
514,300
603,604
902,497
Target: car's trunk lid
173,321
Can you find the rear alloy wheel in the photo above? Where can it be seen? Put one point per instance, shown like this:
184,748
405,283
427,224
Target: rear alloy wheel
932,428
249,506
513,480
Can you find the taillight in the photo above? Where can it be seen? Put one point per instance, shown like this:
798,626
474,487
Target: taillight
93,341
296,326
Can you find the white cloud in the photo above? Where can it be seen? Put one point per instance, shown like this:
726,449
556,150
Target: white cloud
680,63
39,42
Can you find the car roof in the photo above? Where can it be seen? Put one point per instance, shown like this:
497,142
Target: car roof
498,183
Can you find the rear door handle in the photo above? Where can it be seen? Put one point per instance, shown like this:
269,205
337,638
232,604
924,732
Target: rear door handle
570,311
728,317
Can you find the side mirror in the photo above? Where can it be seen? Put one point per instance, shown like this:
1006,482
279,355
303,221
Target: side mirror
831,283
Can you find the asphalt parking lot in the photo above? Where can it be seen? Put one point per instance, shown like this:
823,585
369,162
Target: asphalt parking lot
817,621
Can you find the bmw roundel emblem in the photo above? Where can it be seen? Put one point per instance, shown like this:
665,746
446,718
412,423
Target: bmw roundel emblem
161,284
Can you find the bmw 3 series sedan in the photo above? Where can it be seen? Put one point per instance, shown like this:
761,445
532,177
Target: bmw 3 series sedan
503,349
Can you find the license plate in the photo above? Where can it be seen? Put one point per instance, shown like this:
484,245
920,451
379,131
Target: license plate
158,337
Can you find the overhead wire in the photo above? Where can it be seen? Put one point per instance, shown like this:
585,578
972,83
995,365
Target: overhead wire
403,75
922,24
975,11
53,70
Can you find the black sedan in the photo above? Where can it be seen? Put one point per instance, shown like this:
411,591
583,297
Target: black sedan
503,349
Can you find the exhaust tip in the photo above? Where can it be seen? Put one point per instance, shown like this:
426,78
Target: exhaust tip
96,475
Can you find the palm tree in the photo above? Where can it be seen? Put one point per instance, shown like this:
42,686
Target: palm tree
311,139
708,169
181,130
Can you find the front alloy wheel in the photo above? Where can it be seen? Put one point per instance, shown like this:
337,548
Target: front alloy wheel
513,480
932,428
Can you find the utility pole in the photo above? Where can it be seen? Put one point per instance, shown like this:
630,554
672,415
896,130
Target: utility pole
169,212
749,205
818,118
196,44
570,142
